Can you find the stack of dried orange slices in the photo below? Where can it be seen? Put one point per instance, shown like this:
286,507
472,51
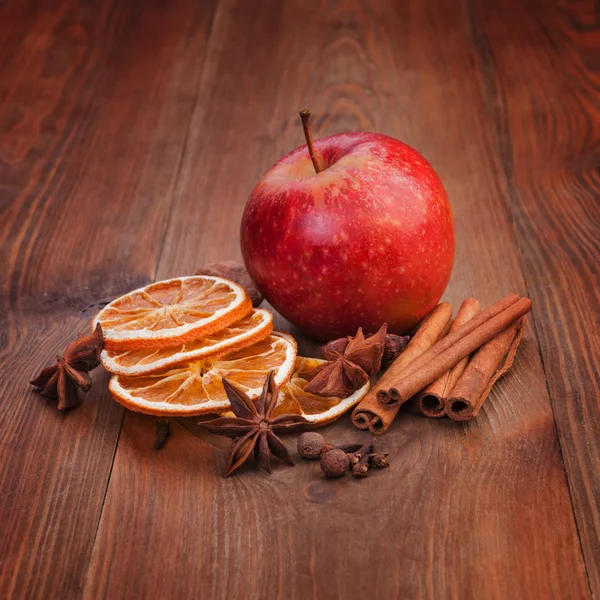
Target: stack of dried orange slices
170,344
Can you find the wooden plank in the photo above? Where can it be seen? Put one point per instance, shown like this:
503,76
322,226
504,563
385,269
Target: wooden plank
548,127
95,104
477,510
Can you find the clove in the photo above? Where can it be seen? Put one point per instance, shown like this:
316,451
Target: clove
370,456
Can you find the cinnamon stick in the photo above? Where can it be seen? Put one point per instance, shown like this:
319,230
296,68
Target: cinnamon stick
433,328
380,406
449,351
486,366
432,399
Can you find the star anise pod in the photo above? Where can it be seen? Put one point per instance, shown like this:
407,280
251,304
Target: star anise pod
70,372
393,347
350,364
254,427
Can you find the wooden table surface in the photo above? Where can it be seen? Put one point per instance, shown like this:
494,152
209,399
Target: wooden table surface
130,136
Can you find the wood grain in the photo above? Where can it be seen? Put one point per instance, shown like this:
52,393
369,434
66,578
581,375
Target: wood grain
95,103
477,510
547,140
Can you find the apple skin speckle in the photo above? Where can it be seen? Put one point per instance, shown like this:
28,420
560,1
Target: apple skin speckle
368,240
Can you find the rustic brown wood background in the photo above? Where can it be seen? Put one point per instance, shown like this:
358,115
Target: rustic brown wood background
130,136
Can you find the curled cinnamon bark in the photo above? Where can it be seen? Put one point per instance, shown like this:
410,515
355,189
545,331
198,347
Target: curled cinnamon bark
398,385
485,367
368,414
432,399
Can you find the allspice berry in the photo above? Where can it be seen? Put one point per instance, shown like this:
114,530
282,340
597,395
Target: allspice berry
310,445
334,463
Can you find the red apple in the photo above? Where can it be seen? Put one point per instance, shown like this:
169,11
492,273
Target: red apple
367,240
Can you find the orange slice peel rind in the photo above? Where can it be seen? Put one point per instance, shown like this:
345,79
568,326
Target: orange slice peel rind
251,329
172,312
196,388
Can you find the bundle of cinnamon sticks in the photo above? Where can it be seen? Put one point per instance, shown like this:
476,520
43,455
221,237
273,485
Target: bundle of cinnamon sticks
450,365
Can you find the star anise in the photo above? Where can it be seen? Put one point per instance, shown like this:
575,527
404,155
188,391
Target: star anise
254,427
70,372
350,364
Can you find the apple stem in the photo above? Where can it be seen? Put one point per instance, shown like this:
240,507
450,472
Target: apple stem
305,116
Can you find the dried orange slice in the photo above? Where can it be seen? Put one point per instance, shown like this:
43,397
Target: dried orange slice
195,387
169,313
319,410
251,329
